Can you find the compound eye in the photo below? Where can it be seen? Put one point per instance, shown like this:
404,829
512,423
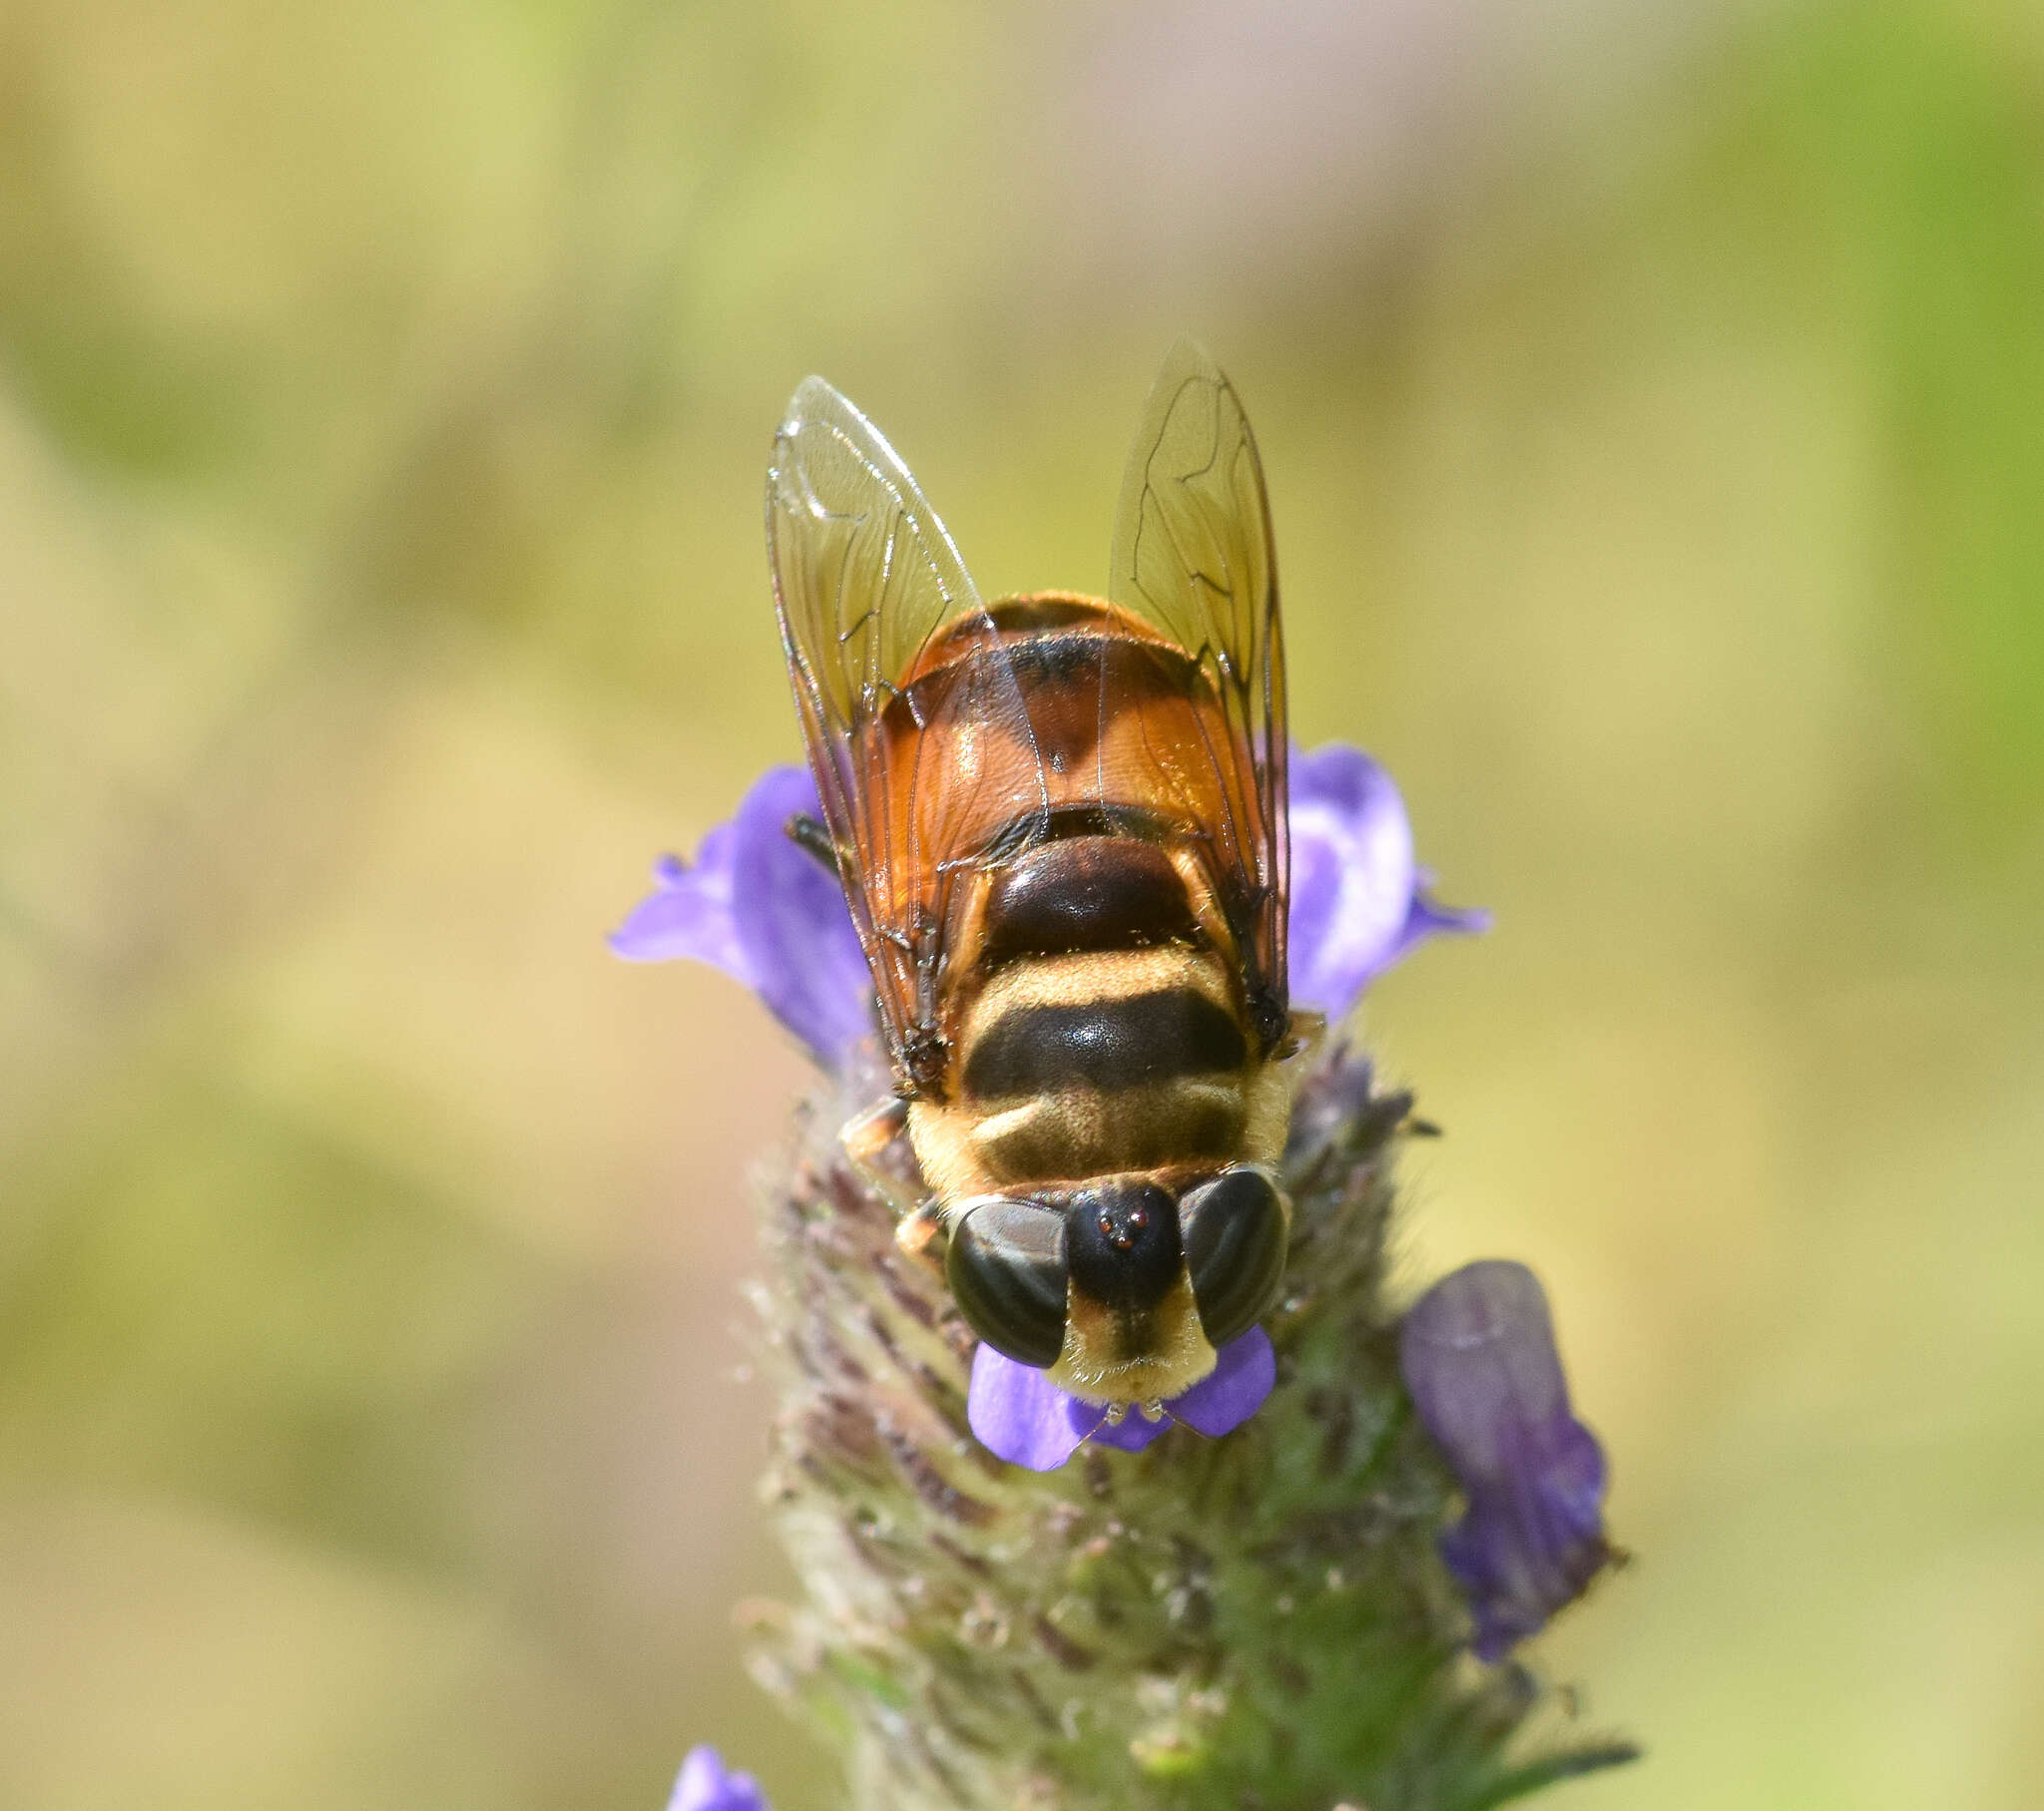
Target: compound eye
1006,1269
1236,1231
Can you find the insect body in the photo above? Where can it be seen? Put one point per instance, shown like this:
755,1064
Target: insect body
1060,823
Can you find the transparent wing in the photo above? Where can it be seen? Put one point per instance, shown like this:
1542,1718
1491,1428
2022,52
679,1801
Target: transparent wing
1194,557
908,701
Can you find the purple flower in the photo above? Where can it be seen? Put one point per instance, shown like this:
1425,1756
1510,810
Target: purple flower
1358,901
765,913
1024,1418
706,1784
1478,1354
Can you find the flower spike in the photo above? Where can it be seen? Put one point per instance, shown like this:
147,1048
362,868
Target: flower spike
1227,1620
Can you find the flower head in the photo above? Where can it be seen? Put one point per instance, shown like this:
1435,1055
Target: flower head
706,1784
1478,1356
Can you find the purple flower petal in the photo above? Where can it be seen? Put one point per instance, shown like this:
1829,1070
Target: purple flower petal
1356,904
1479,1359
1429,918
768,915
688,912
1021,1416
793,924
706,1784
1024,1418
1244,1370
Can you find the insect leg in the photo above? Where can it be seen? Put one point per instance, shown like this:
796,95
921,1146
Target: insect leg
1304,1036
810,835
867,1140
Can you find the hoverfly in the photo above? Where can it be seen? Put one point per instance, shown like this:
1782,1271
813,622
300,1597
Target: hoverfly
1060,825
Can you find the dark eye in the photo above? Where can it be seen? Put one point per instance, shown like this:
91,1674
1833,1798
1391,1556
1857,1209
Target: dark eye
1236,1229
1006,1269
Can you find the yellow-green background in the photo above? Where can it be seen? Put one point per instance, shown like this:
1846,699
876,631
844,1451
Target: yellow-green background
1653,402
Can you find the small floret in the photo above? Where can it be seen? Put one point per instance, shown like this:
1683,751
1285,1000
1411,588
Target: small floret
1478,1354
706,1784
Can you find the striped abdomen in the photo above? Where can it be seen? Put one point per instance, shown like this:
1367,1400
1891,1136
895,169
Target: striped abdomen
1100,1030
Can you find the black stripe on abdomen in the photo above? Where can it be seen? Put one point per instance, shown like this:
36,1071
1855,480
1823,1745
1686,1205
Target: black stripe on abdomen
1086,893
1107,1044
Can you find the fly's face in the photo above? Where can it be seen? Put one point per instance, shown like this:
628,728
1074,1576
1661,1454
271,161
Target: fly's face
1060,823
1120,1289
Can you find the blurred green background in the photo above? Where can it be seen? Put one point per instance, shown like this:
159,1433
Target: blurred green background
1653,402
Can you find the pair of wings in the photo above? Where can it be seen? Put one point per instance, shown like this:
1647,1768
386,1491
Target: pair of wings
871,591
